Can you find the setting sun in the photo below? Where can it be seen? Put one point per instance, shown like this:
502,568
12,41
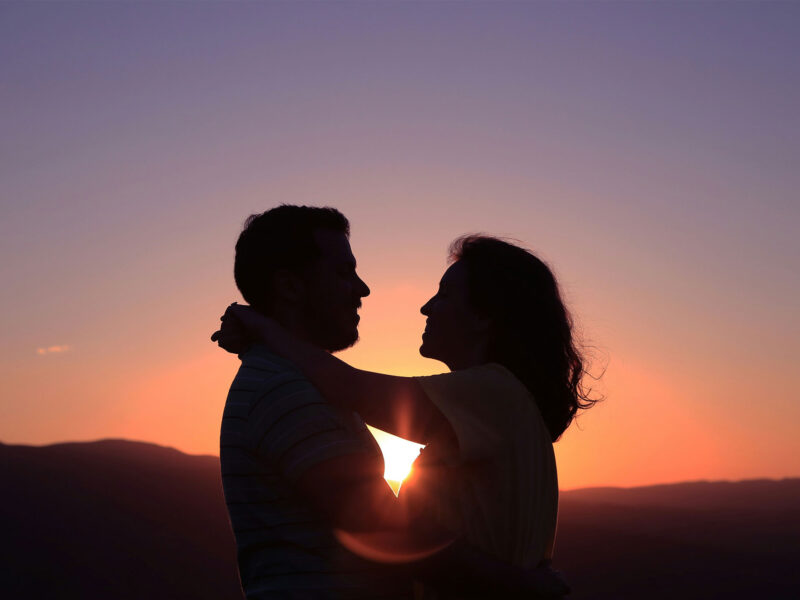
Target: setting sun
398,455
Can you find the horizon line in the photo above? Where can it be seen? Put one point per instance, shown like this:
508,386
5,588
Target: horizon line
590,487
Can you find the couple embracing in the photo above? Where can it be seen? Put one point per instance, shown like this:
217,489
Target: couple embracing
303,478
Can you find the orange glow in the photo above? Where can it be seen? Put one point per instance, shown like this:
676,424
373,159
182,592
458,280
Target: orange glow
398,456
668,216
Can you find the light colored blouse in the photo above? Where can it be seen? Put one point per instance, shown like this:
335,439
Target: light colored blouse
496,483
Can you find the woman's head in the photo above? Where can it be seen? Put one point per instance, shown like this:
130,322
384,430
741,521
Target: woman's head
455,333
502,304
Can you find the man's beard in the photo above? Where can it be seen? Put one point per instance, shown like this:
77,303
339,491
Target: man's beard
326,330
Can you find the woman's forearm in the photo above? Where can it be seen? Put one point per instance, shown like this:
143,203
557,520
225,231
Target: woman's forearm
395,404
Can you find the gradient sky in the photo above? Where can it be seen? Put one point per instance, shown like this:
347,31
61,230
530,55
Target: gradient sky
649,152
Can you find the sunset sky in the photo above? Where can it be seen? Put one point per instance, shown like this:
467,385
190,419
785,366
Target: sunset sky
648,151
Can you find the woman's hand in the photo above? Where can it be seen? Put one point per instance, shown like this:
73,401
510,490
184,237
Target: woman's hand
242,326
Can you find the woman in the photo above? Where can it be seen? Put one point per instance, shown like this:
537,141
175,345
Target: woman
488,470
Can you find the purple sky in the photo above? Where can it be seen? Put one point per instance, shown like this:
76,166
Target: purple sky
649,151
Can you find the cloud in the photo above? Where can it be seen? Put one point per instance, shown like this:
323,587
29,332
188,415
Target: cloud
53,350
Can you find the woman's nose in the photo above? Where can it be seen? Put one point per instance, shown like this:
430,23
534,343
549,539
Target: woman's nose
425,310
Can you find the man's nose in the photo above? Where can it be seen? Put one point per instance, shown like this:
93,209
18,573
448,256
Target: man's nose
363,289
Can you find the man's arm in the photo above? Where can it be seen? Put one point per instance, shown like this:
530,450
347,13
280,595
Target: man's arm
373,524
352,494
465,571
292,427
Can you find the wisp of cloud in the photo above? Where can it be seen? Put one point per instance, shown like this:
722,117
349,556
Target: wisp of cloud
53,350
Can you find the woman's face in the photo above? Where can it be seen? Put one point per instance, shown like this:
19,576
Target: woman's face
454,333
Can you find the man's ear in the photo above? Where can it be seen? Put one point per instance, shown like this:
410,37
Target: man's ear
288,286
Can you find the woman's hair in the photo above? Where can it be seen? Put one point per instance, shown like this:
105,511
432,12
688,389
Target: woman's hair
531,330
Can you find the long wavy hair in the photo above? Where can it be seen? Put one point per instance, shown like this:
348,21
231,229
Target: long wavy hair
531,331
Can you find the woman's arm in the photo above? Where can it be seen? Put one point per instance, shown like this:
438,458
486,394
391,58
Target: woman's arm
395,404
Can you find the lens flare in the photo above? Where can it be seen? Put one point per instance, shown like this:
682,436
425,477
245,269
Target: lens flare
398,456
388,546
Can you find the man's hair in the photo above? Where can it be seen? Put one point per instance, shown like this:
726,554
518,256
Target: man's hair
280,238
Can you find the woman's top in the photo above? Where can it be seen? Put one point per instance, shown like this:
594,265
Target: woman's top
495,483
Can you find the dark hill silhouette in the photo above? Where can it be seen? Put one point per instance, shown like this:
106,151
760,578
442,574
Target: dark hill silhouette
117,519
688,540
747,495
114,520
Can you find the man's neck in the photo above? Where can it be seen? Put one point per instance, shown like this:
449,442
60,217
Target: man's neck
291,320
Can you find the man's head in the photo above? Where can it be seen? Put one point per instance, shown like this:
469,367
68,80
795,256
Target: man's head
294,263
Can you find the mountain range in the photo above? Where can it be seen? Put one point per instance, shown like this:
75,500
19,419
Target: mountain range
116,519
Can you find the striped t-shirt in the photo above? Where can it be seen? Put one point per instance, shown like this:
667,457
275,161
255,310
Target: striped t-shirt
275,426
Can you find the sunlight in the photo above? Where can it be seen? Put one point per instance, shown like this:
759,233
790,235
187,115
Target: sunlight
398,454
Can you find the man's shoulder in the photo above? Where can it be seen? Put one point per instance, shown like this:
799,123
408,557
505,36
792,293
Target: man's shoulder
281,417
259,358
266,376
260,367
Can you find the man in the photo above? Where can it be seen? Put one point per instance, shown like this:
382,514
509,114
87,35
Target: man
294,468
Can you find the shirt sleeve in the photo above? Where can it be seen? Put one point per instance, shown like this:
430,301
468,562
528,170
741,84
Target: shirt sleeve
482,404
293,427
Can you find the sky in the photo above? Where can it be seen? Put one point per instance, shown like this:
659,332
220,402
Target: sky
647,151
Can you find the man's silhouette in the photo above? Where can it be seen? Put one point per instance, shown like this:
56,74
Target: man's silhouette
293,466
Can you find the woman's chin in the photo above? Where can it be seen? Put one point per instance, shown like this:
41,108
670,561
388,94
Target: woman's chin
423,350
426,350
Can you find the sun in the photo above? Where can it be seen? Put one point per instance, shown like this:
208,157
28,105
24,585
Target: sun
398,454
